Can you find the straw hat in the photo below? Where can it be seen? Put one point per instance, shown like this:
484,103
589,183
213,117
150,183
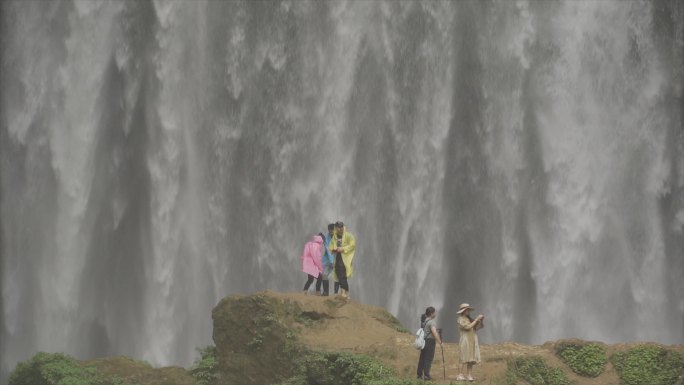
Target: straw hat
464,307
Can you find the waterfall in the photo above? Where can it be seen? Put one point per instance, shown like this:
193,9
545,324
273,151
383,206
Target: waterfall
525,157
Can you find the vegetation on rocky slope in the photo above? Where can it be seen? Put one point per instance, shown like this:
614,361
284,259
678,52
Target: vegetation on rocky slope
290,339
58,369
649,365
535,371
205,368
585,359
335,368
61,369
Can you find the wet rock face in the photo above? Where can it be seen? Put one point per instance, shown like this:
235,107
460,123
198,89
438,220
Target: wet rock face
254,340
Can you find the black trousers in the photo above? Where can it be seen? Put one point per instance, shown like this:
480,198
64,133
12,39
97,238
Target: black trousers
310,280
319,281
341,272
426,357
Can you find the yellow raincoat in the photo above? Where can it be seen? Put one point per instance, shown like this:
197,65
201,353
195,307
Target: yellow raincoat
348,248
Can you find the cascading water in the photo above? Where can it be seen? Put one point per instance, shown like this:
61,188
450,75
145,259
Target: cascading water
526,157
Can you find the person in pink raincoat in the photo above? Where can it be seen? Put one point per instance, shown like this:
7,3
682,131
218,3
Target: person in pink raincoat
311,260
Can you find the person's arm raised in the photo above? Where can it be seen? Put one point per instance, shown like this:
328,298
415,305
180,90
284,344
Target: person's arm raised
477,322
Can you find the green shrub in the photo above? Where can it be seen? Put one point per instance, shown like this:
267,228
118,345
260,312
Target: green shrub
587,360
343,369
205,368
57,369
535,371
648,365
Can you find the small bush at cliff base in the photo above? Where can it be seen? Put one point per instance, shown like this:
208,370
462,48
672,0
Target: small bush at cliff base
535,371
57,369
587,360
205,368
648,365
343,369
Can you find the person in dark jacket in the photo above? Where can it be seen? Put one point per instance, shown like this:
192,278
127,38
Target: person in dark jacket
328,261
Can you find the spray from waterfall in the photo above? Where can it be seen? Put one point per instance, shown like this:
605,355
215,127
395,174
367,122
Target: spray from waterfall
155,156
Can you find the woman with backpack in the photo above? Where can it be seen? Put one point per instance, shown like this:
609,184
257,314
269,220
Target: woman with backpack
427,354
311,261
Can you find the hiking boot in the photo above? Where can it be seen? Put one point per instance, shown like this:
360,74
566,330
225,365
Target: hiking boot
427,378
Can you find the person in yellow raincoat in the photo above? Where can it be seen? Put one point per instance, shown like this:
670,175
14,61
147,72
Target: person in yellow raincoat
342,246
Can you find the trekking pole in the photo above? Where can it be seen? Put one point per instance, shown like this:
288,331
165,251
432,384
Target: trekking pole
442,347
443,364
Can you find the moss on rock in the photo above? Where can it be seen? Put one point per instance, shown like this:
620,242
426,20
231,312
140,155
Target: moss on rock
254,345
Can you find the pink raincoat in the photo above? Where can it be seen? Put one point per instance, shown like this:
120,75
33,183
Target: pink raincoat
311,256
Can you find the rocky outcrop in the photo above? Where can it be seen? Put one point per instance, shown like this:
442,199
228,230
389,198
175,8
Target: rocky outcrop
258,336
